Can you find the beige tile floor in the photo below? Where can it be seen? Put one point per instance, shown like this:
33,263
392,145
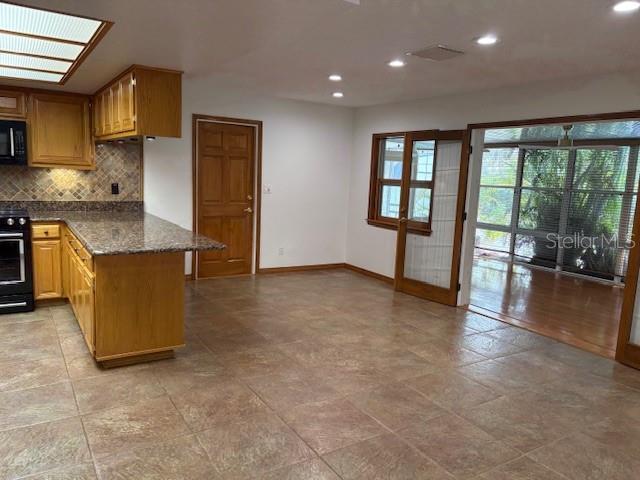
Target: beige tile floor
321,375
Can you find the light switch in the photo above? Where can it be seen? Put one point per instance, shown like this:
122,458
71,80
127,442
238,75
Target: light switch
266,189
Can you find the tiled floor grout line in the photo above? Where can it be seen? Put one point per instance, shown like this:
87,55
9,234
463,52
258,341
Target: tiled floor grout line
571,362
80,417
275,412
75,399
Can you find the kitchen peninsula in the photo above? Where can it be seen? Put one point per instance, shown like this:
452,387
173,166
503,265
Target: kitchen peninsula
123,273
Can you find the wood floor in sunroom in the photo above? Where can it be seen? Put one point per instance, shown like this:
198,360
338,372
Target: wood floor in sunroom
581,312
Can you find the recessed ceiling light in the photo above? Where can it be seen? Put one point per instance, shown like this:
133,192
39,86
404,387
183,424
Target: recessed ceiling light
42,45
626,6
337,94
397,63
487,40
335,77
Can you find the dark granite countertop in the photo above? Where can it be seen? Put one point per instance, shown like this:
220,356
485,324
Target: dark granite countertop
125,232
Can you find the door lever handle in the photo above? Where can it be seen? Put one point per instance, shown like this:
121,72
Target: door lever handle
248,210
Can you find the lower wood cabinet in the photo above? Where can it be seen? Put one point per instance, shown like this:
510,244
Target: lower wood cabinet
63,268
47,262
79,286
130,308
81,297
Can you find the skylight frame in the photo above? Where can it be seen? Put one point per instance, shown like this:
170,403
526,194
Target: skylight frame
86,48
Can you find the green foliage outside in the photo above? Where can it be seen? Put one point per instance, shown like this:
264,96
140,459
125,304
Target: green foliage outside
595,204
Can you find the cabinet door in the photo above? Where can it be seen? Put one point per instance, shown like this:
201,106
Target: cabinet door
126,103
116,126
98,115
60,131
106,111
66,271
12,104
88,326
74,287
47,269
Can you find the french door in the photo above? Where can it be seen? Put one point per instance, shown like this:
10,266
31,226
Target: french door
628,349
432,200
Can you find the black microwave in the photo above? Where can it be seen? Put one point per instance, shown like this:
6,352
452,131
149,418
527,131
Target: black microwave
13,142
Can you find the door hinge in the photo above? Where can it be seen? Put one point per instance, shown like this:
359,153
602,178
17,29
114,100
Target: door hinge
459,287
464,216
470,149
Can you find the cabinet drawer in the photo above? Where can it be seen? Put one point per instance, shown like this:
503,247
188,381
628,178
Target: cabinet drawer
79,252
45,231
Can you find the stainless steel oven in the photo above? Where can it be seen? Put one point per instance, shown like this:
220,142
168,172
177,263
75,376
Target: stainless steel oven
16,279
13,142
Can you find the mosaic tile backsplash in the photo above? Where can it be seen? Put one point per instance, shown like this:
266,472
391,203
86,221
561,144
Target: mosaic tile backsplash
115,163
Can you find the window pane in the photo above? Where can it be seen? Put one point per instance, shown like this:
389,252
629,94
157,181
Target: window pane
499,166
542,250
545,168
390,205
593,226
540,210
594,213
391,150
493,240
495,205
600,169
422,160
419,204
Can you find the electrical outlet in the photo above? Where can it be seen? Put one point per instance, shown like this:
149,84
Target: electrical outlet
115,189
281,251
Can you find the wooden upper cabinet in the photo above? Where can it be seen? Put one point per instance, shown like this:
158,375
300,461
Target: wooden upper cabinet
126,105
115,108
98,123
142,101
13,104
60,131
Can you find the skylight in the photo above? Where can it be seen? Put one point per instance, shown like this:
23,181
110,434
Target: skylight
42,45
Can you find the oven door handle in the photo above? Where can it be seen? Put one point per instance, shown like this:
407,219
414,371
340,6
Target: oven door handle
12,305
13,148
11,235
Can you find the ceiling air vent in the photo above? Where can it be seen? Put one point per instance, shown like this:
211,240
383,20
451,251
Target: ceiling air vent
437,53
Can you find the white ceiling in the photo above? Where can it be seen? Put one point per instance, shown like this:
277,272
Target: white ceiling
288,47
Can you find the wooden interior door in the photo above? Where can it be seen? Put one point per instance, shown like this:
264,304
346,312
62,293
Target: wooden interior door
628,348
428,247
225,196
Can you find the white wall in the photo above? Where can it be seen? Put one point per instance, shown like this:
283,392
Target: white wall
374,248
306,160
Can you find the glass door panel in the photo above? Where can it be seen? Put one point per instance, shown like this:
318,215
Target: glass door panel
429,218
11,267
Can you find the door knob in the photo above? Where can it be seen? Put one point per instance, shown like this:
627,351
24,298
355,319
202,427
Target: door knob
248,210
